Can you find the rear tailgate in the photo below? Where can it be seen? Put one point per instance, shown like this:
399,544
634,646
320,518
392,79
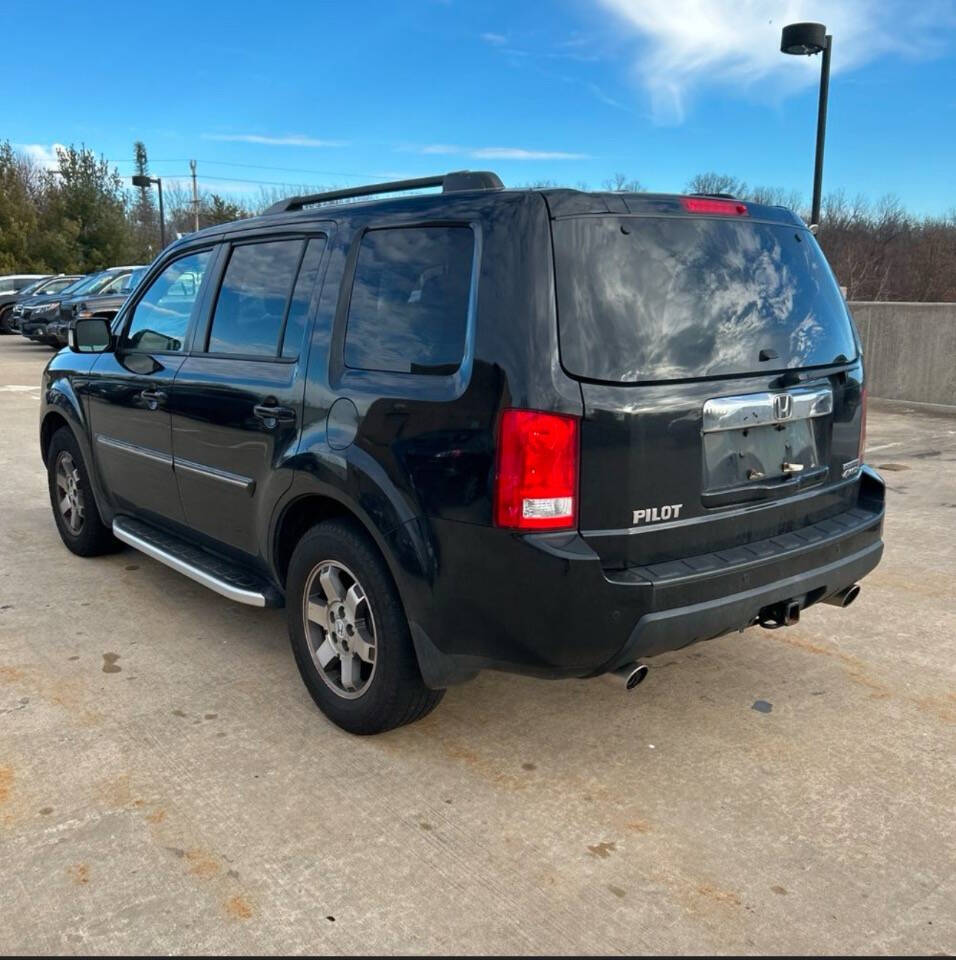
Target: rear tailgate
720,375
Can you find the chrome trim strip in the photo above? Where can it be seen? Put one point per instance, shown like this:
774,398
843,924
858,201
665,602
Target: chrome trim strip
235,479
251,597
759,409
124,447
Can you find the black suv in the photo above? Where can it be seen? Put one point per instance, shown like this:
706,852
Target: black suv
542,431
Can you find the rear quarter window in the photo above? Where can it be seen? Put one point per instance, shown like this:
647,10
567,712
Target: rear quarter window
649,299
408,311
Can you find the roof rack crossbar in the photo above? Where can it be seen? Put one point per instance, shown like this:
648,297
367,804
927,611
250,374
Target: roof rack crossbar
459,180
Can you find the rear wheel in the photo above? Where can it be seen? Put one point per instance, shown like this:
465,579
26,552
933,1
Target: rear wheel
71,496
350,635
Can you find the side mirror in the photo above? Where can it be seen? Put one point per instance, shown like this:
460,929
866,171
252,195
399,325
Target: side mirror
90,335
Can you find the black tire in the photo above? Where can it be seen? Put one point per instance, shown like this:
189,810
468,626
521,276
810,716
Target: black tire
6,316
84,533
394,693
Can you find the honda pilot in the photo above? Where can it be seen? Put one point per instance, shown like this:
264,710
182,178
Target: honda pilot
551,432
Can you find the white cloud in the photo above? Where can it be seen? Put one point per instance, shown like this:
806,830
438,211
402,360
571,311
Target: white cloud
293,140
517,153
41,154
495,39
501,153
685,44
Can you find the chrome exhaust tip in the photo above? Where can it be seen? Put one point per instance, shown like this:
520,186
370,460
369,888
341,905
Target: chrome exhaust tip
846,596
631,674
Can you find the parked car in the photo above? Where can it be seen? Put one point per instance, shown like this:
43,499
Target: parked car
36,309
543,431
15,282
40,312
9,299
104,303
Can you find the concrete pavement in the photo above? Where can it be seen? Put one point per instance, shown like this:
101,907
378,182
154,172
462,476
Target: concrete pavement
167,786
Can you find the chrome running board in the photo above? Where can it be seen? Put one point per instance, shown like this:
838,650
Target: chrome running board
227,579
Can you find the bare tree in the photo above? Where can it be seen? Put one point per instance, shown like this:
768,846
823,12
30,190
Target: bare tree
621,183
712,182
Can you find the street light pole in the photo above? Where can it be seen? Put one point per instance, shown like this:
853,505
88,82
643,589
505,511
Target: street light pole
162,219
821,128
141,180
809,39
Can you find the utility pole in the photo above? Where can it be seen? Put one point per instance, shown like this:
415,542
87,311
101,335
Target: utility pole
192,166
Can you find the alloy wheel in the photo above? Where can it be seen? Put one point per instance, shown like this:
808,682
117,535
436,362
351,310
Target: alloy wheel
70,500
340,629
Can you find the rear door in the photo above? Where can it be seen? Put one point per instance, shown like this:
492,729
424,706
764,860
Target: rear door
237,400
720,376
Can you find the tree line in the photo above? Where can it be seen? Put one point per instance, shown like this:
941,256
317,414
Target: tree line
82,216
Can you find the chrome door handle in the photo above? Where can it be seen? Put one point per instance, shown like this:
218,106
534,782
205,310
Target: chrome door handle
153,398
270,411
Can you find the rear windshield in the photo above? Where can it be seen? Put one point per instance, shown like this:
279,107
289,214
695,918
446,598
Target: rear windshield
644,298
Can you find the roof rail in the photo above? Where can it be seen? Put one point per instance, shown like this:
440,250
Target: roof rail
449,182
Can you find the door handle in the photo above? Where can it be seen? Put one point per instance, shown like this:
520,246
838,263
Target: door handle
153,398
273,412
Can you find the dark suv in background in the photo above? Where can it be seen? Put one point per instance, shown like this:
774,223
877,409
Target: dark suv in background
36,314
105,302
542,431
31,314
10,298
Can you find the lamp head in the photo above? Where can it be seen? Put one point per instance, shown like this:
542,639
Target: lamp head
803,38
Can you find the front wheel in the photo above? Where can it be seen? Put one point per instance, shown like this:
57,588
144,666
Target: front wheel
350,635
71,496
6,319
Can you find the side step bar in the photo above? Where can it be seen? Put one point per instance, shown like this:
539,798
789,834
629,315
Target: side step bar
225,578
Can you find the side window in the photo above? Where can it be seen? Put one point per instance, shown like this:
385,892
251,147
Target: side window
117,285
253,298
301,298
409,307
161,318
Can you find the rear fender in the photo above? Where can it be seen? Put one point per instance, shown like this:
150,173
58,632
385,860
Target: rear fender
361,487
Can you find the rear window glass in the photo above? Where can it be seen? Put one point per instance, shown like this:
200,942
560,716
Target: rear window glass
642,299
409,307
253,297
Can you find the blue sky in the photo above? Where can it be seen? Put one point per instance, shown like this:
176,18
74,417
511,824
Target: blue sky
573,90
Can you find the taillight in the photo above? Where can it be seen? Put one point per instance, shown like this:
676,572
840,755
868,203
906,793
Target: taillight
862,423
536,484
726,208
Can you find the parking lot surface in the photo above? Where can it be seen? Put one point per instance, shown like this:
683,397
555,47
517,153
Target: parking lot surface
167,786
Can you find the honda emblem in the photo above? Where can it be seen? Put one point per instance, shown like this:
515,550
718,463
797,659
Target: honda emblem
782,406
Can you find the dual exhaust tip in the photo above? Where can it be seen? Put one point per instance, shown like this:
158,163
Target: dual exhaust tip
632,675
844,597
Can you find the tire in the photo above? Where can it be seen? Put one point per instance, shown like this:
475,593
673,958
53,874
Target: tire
6,317
80,526
375,684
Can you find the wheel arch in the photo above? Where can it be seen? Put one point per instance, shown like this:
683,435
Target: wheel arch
62,408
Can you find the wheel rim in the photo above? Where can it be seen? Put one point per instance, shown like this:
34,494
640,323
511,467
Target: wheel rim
340,629
70,501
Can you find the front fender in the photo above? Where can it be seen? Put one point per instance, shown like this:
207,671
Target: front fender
60,403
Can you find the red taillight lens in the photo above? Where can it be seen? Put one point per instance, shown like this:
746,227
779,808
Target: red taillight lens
862,423
726,208
536,486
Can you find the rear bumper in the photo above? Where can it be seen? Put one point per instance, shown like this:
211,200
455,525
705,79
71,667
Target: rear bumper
677,627
543,605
